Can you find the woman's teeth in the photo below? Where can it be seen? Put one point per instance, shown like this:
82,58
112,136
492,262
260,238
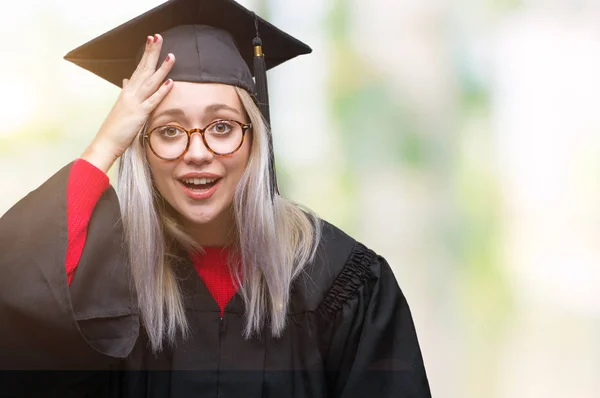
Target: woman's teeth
199,181
199,184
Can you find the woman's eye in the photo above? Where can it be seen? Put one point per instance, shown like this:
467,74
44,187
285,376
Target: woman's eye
170,131
221,128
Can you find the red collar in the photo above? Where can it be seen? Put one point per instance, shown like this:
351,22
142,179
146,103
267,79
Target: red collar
215,273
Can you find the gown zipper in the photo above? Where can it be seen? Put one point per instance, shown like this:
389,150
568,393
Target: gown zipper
221,331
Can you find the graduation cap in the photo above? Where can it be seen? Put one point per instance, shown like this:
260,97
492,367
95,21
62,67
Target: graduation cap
214,41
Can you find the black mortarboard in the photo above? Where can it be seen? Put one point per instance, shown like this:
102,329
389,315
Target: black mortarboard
214,41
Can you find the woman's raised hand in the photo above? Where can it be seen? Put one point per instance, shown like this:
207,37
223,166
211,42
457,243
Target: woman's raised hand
141,94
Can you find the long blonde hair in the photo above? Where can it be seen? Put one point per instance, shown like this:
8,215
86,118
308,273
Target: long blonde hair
275,239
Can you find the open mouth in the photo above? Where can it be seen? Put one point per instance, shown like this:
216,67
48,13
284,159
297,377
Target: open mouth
199,184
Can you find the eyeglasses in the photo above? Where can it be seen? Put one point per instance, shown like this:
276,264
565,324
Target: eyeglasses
221,137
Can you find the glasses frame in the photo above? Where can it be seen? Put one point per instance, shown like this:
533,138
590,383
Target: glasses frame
245,127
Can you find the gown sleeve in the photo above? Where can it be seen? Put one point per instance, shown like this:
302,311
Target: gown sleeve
45,324
374,349
86,184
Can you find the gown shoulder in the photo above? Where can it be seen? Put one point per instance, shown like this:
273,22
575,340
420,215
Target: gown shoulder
370,342
340,267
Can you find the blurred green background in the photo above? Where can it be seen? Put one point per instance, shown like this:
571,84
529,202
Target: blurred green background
458,139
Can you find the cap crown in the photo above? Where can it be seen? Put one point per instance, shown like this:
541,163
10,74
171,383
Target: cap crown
113,55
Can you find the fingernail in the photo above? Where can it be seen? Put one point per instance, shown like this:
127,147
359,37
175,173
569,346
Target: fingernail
155,38
169,81
168,58
148,40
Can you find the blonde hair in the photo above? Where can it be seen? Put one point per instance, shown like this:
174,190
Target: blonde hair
275,240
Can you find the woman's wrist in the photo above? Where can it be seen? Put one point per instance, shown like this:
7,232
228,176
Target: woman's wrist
97,155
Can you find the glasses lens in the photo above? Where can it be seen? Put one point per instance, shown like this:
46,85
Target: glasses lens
224,136
168,142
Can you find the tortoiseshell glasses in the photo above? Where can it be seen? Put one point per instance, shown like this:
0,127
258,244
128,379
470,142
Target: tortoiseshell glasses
221,137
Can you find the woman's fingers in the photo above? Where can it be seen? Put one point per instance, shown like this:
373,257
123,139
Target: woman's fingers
147,64
138,69
152,102
154,81
153,54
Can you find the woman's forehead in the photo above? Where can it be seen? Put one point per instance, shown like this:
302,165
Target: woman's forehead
195,100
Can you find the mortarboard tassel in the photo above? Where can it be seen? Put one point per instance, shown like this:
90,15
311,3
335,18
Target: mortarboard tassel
260,75
262,97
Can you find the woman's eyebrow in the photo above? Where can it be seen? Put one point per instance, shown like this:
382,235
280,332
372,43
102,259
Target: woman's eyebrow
173,112
220,107
179,113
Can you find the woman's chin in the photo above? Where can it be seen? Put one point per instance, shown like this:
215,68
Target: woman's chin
211,214
200,218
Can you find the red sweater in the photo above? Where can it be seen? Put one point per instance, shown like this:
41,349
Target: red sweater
86,184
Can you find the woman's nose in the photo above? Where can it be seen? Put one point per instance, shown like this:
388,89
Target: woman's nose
197,152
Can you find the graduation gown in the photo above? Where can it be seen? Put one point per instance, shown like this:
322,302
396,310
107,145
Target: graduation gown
349,330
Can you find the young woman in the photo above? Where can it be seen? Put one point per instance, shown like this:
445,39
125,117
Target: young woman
197,278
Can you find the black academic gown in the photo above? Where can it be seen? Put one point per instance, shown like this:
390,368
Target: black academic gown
349,331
